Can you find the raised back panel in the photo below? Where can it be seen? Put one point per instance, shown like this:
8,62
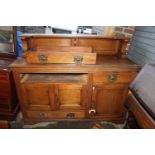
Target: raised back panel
101,45
48,42
64,49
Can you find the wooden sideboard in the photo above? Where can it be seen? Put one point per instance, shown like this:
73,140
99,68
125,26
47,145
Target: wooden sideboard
8,96
73,91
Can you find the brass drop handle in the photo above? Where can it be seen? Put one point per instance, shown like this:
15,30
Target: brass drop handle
70,115
41,114
43,58
78,59
112,77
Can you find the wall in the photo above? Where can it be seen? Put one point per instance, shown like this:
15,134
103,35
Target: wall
123,31
31,29
99,29
117,31
6,39
142,49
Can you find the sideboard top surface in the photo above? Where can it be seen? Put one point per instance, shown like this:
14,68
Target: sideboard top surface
103,63
27,35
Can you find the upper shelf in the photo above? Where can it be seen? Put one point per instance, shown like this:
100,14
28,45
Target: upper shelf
27,35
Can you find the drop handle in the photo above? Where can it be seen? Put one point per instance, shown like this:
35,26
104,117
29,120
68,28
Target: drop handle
70,115
41,115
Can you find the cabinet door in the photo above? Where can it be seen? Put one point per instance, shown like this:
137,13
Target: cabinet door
108,100
71,96
39,96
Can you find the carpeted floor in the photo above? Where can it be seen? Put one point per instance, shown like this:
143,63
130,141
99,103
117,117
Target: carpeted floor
19,124
66,125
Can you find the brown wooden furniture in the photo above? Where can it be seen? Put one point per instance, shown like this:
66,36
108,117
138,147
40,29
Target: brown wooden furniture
8,96
54,91
141,100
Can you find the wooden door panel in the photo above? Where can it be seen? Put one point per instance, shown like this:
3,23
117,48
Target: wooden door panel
38,97
71,96
109,99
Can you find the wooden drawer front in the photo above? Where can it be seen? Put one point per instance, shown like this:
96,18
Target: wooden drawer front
56,114
58,57
113,77
4,90
3,77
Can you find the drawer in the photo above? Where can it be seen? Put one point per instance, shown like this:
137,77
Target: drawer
4,77
58,57
113,77
56,114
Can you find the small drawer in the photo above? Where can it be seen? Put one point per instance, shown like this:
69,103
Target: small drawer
56,114
3,77
113,77
66,57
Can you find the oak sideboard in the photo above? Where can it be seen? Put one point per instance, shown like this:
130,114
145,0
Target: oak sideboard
72,77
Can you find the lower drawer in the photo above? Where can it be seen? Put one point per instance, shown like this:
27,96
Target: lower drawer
56,114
